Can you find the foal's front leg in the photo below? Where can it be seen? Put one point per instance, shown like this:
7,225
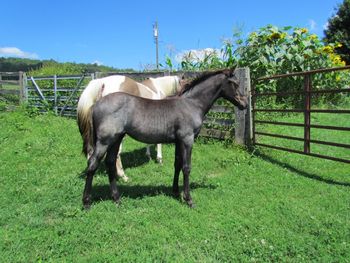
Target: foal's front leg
177,168
186,152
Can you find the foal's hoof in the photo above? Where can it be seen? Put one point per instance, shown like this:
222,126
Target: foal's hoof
190,203
86,206
116,201
176,194
87,203
159,160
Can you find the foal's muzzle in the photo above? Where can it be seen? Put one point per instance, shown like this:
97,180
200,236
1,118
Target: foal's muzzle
242,102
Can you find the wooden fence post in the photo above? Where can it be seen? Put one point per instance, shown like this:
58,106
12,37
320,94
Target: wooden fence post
25,87
21,90
22,81
243,120
55,94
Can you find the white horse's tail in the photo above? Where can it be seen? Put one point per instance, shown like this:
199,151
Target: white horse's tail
87,99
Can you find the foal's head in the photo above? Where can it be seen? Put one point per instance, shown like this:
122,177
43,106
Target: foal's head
231,92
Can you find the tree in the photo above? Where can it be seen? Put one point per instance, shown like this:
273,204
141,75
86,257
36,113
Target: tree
338,31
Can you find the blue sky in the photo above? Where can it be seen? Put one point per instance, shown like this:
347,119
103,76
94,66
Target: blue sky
120,33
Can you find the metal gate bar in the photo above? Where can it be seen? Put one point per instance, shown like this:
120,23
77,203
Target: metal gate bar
307,92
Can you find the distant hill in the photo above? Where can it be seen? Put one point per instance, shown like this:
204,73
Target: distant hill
19,64
23,64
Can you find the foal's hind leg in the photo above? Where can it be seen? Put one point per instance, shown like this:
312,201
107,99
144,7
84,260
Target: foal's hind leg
110,161
93,163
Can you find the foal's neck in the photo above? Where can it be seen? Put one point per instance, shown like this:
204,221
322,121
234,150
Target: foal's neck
206,93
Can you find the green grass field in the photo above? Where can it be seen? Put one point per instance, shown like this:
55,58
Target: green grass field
257,206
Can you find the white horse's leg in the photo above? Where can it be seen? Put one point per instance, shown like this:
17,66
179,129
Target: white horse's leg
119,165
159,153
148,152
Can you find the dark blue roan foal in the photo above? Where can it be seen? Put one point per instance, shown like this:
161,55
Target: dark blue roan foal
175,120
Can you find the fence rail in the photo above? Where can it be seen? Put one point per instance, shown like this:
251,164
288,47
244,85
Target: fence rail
307,92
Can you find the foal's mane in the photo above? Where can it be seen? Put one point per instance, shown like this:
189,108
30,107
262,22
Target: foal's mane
202,77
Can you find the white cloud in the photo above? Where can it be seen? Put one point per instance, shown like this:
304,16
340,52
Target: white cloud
312,25
16,52
98,63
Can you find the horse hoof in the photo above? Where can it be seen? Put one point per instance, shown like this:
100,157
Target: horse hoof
192,205
159,160
176,194
86,206
87,202
116,201
124,178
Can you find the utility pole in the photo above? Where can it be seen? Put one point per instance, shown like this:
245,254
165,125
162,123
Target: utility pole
155,35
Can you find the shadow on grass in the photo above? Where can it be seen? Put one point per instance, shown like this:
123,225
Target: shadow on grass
131,159
102,192
135,158
298,171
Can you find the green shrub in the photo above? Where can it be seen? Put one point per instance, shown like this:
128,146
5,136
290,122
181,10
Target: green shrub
59,69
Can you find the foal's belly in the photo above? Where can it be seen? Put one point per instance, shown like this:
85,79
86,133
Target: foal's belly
151,136
151,130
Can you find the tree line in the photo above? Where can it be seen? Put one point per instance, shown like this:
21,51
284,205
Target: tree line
12,64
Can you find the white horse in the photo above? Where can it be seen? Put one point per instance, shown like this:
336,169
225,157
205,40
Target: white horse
151,88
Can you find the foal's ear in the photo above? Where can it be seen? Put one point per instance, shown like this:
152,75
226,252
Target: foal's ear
233,79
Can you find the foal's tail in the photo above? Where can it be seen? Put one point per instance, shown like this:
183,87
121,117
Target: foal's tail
84,113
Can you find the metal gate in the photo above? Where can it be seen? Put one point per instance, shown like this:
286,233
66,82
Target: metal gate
305,108
57,93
